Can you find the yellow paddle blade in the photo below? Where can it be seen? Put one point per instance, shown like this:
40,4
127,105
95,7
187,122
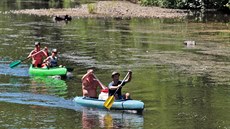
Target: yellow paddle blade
109,102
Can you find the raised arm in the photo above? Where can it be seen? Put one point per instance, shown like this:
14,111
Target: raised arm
129,77
47,59
30,55
86,75
45,52
111,87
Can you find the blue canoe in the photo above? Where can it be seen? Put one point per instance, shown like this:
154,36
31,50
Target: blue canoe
117,105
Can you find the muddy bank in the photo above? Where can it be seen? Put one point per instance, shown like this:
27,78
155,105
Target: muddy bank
121,9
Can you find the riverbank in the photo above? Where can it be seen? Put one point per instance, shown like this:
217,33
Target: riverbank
103,9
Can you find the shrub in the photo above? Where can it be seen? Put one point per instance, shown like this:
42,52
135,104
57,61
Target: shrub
189,4
91,8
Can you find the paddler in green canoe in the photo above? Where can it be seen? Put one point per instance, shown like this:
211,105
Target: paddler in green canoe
37,55
51,61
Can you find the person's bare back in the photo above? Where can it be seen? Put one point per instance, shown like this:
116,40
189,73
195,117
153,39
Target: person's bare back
90,84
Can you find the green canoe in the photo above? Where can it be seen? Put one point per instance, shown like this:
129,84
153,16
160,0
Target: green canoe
47,72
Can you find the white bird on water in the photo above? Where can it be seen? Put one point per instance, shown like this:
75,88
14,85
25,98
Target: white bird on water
190,43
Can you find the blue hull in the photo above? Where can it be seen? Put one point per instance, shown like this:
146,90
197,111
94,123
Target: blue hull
117,105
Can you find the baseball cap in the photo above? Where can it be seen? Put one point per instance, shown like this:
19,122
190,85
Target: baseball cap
54,50
37,43
115,73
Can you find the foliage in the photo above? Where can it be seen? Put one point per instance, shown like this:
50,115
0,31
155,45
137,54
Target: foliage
228,5
191,4
91,8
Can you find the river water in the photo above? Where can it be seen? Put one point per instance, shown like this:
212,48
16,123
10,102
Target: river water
182,86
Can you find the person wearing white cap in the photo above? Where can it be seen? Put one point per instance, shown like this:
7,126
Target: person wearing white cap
51,61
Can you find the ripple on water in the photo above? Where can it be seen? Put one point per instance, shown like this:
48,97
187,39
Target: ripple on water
108,64
38,100
20,71
14,85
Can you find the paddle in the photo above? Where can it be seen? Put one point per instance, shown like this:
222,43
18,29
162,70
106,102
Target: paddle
99,81
17,62
109,102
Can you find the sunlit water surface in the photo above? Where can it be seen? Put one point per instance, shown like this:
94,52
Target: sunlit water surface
175,81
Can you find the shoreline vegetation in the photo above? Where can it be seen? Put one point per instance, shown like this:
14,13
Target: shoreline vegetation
107,9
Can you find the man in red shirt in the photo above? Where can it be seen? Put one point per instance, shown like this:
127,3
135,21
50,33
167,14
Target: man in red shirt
90,84
37,59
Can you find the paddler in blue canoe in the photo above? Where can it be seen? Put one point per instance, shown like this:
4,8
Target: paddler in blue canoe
117,84
90,83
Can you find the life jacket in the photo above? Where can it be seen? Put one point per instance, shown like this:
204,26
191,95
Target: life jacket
53,61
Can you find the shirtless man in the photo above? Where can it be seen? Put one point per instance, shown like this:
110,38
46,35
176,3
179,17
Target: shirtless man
38,58
90,84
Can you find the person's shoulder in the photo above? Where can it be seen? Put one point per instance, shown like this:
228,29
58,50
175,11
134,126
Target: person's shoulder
48,57
111,84
33,51
120,81
84,76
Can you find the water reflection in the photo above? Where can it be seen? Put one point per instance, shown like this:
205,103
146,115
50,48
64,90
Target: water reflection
48,85
93,118
209,16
